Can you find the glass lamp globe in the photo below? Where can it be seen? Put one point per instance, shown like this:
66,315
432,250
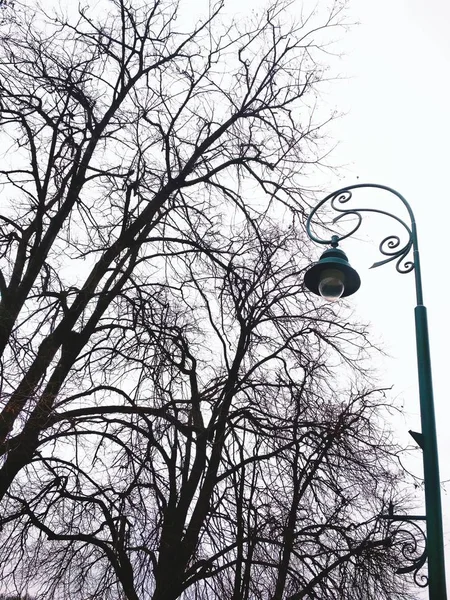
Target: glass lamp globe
331,284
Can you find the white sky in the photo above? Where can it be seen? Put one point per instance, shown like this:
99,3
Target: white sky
397,132
396,64
395,93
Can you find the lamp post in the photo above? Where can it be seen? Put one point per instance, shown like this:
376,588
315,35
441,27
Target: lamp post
332,277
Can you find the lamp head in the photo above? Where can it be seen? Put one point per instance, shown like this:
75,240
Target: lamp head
332,277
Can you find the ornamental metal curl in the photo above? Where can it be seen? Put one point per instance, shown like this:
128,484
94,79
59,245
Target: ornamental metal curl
414,553
391,246
413,546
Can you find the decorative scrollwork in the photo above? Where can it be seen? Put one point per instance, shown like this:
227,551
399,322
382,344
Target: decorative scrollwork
413,544
392,247
406,533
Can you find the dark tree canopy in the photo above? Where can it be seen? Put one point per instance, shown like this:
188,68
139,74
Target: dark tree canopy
179,418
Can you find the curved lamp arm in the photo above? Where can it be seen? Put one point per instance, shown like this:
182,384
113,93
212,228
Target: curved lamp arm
391,246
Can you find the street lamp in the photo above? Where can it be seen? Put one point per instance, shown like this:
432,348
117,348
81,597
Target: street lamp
332,277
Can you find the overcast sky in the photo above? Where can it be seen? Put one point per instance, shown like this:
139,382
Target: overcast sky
397,132
394,90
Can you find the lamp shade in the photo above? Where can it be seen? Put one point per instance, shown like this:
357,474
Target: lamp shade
333,271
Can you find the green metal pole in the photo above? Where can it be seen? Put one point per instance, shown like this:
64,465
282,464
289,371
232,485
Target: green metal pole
433,508
435,536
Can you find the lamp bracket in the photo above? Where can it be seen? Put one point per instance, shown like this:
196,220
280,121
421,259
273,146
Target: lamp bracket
392,247
404,531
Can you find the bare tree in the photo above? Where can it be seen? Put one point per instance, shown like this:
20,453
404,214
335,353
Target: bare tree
179,417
